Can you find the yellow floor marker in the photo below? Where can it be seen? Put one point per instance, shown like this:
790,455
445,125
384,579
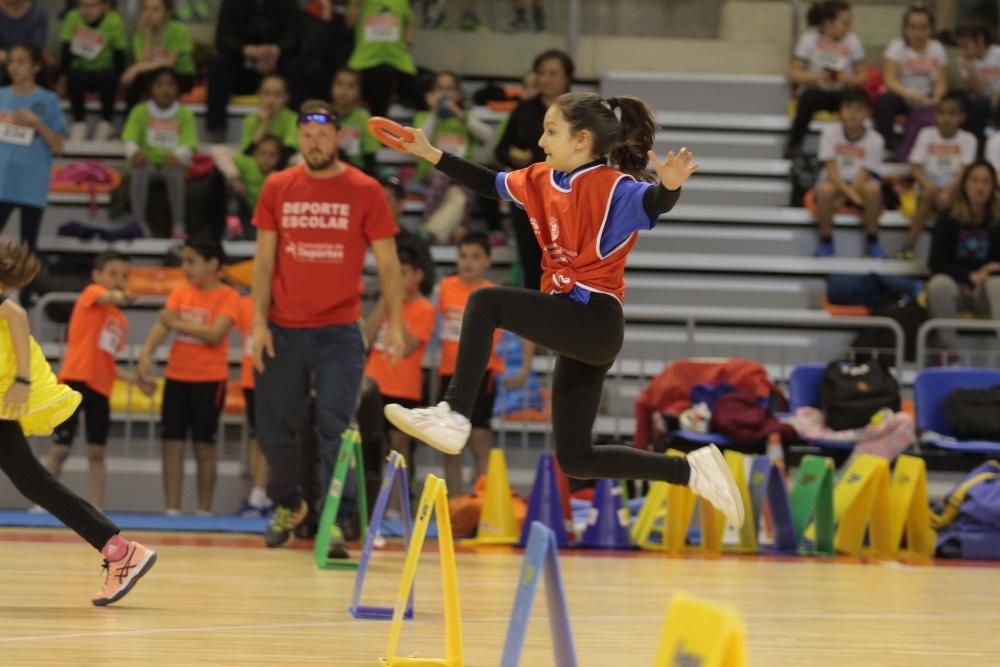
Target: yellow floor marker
674,505
700,633
860,503
748,533
433,500
653,508
497,524
910,515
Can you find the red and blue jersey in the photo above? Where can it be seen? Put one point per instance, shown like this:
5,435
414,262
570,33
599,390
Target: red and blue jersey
585,222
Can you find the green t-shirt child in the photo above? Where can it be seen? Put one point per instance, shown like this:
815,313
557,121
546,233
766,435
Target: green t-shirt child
92,47
161,132
284,125
355,140
175,39
380,36
251,177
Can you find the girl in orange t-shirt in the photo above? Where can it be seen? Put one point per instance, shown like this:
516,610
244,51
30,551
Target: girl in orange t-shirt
201,314
402,382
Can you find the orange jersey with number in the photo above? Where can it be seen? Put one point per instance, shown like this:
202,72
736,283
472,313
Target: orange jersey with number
97,334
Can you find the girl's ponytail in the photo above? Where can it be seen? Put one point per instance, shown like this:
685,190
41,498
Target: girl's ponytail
18,265
637,132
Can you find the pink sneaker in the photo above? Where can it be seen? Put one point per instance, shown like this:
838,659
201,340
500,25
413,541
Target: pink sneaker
123,573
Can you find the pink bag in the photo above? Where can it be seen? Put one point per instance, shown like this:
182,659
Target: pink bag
90,172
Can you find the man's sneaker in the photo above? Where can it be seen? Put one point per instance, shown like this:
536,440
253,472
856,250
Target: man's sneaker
825,249
874,250
122,575
713,482
439,426
283,522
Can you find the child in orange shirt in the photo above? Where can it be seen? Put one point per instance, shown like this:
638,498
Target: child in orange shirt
403,382
97,331
258,504
453,293
201,313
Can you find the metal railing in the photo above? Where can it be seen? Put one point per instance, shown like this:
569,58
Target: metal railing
992,356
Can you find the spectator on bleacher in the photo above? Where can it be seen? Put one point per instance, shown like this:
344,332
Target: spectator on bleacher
97,334
401,382
93,59
21,21
245,175
518,147
450,127
314,222
252,40
33,403
160,136
33,125
273,117
852,159
965,253
383,36
979,74
520,21
356,142
158,41
452,298
826,60
327,44
939,155
257,503
913,70
200,313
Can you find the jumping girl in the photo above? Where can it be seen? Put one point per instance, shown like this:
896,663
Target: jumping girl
585,204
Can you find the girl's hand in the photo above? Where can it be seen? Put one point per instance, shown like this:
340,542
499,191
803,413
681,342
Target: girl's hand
27,118
15,401
420,146
675,169
169,318
144,369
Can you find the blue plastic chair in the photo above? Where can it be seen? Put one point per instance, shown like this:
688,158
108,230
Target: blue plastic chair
804,383
930,389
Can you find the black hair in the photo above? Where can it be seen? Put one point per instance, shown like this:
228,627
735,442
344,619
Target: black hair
918,8
956,96
105,257
207,249
623,128
164,71
855,95
272,139
825,10
346,70
568,66
476,238
395,185
37,58
974,29
408,256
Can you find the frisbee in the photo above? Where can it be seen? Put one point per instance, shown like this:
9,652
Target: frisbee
389,132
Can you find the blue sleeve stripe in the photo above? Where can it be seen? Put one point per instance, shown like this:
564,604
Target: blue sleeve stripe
502,186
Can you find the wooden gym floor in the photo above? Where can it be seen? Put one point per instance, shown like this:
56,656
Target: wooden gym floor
225,600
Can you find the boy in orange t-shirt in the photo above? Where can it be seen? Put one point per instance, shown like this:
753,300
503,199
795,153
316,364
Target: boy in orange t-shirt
97,331
257,504
201,313
402,382
453,293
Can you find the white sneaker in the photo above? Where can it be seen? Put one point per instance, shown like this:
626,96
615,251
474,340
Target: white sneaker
439,426
78,131
104,131
714,482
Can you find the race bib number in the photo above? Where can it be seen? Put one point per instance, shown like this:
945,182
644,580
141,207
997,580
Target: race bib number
19,135
112,337
451,325
193,315
86,44
452,142
831,60
847,165
350,141
382,28
163,133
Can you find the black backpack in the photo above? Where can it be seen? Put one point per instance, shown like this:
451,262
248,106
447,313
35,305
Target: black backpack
852,392
974,414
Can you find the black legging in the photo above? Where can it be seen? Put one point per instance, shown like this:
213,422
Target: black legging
35,483
380,82
31,221
810,101
586,339
529,253
80,82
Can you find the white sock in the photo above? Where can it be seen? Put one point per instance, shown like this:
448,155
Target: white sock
258,497
693,478
172,512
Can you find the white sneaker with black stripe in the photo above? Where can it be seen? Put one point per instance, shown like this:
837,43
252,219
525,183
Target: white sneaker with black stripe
712,480
438,426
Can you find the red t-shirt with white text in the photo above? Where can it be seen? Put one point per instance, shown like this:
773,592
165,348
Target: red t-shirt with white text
324,226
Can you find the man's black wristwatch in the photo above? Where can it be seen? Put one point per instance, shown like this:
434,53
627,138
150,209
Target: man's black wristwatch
20,379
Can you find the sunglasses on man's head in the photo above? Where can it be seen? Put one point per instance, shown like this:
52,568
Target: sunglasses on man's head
320,117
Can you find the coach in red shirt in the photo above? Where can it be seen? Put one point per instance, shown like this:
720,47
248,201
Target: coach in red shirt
314,224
